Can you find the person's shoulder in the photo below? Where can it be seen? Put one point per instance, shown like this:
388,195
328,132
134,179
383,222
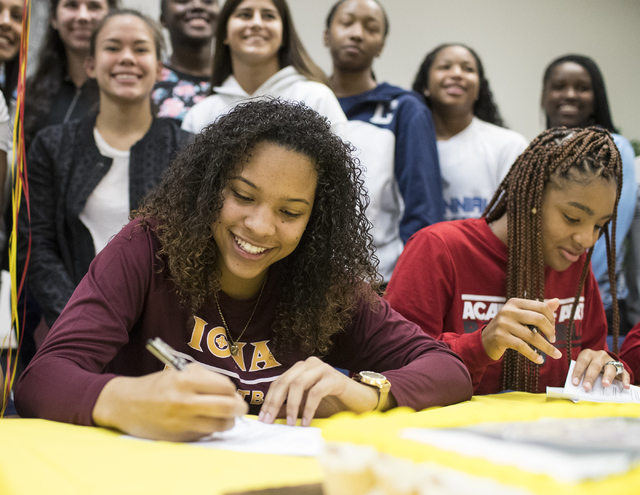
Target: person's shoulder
404,96
622,143
499,134
173,126
138,232
58,134
204,112
502,133
448,230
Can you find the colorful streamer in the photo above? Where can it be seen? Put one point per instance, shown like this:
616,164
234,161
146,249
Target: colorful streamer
20,186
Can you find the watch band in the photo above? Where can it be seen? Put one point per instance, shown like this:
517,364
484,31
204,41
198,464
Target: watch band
376,380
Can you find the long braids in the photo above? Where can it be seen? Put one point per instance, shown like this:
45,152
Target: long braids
561,153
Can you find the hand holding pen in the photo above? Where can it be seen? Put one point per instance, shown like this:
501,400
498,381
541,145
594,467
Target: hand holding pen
180,405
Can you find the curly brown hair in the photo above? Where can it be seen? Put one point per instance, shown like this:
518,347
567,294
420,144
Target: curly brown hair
323,278
556,155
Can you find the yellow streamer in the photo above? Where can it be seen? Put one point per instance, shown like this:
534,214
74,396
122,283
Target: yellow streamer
18,170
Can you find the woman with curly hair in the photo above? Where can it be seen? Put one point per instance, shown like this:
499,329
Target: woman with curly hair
258,53
512,293
475,151
253,258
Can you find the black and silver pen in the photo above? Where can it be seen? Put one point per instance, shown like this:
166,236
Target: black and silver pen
165,353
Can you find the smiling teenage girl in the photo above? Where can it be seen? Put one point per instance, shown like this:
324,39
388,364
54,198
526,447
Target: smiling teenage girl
475,150
185,77
574,95
258,53
252,258
520,276
60,90
86,176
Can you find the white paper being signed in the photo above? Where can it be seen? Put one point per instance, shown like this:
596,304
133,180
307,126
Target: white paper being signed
249,435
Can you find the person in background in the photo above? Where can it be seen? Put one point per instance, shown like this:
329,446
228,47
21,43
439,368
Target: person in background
475,150
574,95
512,292
631,264
11,12
391,127
252,258
258,53
85,176
11,32
185,78
60,90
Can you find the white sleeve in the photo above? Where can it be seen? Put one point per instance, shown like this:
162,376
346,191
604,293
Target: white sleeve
5,128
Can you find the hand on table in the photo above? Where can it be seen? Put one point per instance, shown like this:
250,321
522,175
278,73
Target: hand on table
312,388
170,405
509,330
591,363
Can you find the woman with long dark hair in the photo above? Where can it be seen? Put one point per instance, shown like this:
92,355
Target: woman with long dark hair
85,176
253,261
574,95
59,90
475,151
258,53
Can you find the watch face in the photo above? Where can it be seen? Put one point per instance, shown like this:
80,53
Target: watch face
372,375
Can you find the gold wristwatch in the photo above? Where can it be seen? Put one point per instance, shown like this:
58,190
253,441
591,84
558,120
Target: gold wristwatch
378,381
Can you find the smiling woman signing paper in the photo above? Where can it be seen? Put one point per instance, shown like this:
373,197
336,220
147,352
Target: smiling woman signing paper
253,258
512,292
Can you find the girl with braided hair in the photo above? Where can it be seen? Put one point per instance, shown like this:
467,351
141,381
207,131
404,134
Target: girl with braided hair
253,259
512,291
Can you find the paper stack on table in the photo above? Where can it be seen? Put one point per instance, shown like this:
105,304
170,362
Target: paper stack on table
569,449
614,393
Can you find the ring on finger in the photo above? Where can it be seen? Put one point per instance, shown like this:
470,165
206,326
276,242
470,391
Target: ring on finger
533,329
618,366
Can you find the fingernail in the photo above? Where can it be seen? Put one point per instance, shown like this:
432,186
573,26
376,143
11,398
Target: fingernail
557,354
587,386
539,360
553,338
575,380
291,421
606,382
267,418
260,415
305,421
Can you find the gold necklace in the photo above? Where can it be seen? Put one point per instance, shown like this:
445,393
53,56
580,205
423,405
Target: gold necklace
233,347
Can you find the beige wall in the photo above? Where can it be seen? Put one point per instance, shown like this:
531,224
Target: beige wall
516,39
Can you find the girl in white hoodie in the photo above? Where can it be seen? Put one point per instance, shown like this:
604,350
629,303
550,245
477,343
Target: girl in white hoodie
258,53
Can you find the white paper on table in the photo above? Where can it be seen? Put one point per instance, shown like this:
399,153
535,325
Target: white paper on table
253,436
599,393
568,449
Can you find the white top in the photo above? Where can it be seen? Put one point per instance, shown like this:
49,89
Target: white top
107,208
375,148
287,83
5,126
473,163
